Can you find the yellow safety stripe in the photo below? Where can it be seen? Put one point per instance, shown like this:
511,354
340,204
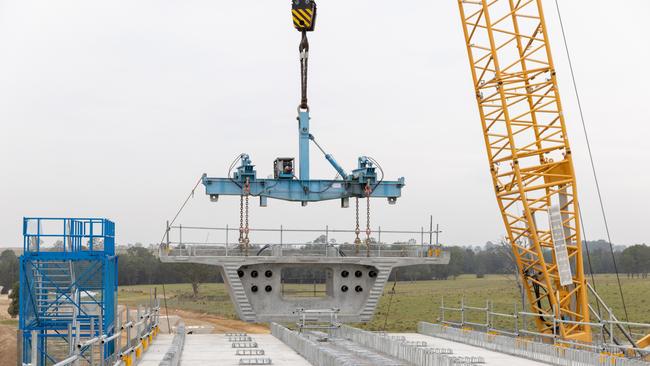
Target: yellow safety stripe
301,16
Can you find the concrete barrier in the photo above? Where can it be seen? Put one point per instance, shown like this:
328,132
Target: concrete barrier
548,353
415,353
173,355
310,350
398,348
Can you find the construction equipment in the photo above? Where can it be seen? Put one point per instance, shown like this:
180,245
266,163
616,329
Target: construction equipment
362,182
256,273
530,158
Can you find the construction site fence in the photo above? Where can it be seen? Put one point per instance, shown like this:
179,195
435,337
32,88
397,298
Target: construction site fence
173,355
554,354
137,332
186,234
603,331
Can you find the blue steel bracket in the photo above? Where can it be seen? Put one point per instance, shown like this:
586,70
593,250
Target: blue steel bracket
312,190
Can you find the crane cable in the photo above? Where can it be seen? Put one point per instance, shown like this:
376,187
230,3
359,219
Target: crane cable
390,301
181,208
303,48
591,160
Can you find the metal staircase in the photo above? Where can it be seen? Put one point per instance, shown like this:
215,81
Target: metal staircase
237,292
376,291
68,290
54,293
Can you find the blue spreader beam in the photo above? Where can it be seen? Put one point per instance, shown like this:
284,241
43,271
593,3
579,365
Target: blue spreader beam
361,182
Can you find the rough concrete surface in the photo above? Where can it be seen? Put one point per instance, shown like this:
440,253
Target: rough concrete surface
464,350
215,349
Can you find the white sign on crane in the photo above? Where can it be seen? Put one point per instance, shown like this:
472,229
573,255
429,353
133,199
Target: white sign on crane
559,245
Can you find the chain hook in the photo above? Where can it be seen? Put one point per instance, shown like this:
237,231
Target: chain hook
357,230
368,192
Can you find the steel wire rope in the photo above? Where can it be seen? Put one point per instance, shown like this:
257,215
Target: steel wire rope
182,207
591,160
591,271
390,301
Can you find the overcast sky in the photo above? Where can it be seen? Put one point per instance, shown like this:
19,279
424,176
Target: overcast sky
115,108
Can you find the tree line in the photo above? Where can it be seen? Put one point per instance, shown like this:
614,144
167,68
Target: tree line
139,265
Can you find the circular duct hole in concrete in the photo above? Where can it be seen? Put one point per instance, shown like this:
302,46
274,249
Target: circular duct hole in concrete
358,288
240,273
254,288
344,288
372,274
268,273
268,288
254,274
345,274
358,274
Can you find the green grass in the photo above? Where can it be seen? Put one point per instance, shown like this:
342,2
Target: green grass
213,298
417,301
421,300
9,322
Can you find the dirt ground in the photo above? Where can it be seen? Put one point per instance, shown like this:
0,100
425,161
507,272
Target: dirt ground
8,332
221,325
7,335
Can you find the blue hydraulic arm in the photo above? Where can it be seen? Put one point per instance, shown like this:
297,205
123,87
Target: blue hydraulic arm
331,159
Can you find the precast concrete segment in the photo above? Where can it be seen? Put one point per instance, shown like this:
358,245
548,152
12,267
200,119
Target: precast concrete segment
463,350
322,350
216,349
156,350
353,284
350,353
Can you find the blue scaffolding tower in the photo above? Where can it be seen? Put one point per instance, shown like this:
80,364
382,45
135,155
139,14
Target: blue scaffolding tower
68,289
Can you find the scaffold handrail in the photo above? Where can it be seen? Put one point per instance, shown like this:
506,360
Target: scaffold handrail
68,235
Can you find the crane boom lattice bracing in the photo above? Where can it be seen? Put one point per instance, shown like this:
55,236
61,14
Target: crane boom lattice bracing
529,156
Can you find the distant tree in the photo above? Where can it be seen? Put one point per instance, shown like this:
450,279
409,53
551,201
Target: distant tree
14,296
197,274
321,239
8,270
635,260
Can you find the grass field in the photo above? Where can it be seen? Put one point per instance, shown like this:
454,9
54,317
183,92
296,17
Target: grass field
413,302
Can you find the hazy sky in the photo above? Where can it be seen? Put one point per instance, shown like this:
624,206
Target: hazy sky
115,108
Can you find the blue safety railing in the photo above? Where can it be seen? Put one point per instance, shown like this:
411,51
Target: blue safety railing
68,286
44,235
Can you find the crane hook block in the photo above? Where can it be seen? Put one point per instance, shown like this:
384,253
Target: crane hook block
304,14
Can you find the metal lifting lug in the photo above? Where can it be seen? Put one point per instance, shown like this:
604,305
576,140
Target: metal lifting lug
303,13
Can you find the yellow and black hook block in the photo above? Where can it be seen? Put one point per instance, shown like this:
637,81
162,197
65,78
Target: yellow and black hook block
304,14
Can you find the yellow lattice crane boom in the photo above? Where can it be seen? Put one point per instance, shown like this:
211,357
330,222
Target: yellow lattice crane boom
530,157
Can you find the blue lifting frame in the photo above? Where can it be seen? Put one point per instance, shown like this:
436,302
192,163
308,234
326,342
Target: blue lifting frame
361,182
68,285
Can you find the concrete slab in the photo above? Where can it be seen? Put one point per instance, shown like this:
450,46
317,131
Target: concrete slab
157,350
216,349
464,350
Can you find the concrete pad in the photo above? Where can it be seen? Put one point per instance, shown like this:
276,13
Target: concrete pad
156,350
215,349
464,350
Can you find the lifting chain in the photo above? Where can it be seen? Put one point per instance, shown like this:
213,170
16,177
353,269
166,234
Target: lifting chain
241,222
244,241
357,231
368,191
